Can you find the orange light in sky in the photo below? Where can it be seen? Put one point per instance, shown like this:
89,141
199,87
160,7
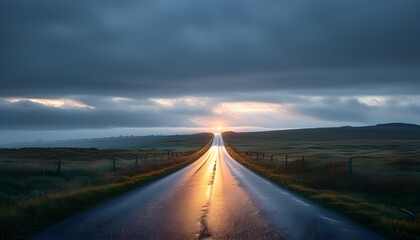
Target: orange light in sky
246,107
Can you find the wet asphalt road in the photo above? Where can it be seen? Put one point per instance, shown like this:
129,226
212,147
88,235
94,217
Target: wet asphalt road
213,198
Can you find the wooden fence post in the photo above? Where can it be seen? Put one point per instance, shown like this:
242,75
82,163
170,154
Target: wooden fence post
59,167
271,157
44,167
137,159
303,159
113,163
287,156
350,166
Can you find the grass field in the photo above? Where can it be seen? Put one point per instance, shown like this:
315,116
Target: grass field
33,195
385,175
158,142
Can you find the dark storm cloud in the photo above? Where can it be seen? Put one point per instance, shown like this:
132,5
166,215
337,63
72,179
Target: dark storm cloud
147,49
166,63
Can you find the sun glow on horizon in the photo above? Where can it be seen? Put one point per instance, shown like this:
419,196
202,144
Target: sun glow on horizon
218,129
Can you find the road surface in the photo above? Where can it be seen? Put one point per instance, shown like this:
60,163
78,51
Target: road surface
213,198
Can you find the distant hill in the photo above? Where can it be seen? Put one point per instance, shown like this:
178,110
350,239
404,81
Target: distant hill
389,131
129,142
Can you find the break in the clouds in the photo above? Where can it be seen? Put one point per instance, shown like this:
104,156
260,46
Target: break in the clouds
67,65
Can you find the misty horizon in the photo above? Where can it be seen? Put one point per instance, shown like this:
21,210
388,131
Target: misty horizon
128,133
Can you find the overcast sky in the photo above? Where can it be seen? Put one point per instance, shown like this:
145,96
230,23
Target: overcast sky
78,68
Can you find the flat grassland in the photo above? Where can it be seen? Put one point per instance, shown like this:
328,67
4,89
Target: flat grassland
35,192
385,175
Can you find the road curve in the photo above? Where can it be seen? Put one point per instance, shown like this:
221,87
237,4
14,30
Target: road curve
213,198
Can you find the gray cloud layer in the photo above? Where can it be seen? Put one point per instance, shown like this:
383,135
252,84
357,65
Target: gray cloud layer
149,48
32,116
280,52
283,111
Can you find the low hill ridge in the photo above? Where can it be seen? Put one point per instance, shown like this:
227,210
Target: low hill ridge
387,131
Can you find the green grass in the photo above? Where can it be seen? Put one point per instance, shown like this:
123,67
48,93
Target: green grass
33,197
386,176
158,142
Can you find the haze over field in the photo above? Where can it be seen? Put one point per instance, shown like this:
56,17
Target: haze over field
83,69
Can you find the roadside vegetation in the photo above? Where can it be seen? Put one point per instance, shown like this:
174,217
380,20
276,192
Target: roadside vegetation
40,186
383,185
